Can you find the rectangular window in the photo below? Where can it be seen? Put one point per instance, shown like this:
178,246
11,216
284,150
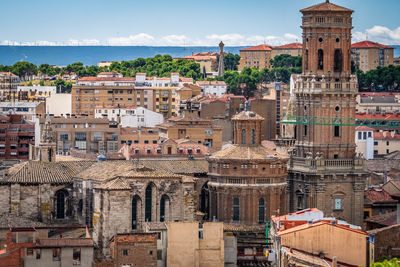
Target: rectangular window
359,135
365,135
336,131
29,252
387,143
236,209
305,130
125,252
387,151
338,204
56,254
369,134
375,143
38,253
375,152
76,256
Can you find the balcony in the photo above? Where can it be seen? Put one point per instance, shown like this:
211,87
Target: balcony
311,84
321,165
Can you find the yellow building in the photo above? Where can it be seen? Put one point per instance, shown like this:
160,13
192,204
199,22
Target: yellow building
190,245
369,55
208,62
303,244
157,94
260,56
190,126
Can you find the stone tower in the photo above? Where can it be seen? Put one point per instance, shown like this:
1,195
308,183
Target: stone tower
221,64
324,170
47,146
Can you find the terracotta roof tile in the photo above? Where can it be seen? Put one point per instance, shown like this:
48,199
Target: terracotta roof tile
369,44
262,47
378,195
364,128
64,242
115,184
290,46
247,115
33,172
178,166
326,7
247,152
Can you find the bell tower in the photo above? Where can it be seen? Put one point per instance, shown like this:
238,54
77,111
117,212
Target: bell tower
324,171
47,146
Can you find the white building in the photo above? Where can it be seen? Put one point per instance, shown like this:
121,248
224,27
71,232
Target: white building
29,109
365,141
216,88
59,104
130,116
110,74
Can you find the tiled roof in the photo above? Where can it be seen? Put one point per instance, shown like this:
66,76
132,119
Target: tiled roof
290,46
247,152
387,219
386,136
369,44
364,128
378,116
317,224
378,195
326,7
247,115
178,166
115,184
33,172
8,220
106,79
262,47
64,242
378,230
210,83
5,73
105,170
70,120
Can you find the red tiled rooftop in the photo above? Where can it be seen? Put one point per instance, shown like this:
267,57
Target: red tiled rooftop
7,73
386,136
378,195
326,7
290,46
262,47
106,79
364,128
378,116
369,44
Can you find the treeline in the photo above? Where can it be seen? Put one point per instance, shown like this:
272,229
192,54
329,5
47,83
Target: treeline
159,65
381,78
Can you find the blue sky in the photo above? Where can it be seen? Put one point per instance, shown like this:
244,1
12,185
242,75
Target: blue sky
180,22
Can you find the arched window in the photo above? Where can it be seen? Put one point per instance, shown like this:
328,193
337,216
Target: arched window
236,209
243,137
306,60
338,60
162,210
320,59
148,203
134,214
253,136
261,210
60,204
80,207
165,209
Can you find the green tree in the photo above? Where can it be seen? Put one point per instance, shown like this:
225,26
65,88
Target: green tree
64,86
25,70
286,61
231,61
392,263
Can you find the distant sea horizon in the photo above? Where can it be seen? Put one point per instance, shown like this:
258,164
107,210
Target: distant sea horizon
92,55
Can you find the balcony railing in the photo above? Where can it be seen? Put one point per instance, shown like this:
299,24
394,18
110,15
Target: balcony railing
314,165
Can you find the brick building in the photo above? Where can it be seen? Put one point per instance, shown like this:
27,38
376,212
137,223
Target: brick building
161,95
16,135
369,55
8,85
87,135
247,181
324,170
260,56
139,249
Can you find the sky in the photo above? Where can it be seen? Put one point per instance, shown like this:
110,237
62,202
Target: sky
181,22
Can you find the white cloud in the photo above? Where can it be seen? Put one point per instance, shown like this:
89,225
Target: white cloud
138,39
379,34
144,39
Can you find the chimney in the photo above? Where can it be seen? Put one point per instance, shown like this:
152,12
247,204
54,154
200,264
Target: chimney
392,134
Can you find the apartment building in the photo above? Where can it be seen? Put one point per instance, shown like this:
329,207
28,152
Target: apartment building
386,142
16,134
29,93
8,84
88,135
208,62
157,94
30,110
369,55
378,103
216,88
190,126
260,56
130,116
